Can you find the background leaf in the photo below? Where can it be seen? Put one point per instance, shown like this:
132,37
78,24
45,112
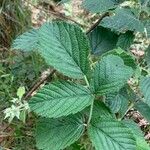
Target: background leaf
28,41
116,23
99,5
145,89
125,40
102,40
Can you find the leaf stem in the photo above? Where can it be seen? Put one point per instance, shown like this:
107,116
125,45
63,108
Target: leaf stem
91,111
87,82
92,104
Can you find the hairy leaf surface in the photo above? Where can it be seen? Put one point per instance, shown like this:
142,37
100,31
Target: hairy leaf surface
60,99
117,23
107,133
28,41
56,134
100,5
110,75
65,47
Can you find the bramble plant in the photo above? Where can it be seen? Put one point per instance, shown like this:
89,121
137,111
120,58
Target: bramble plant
104,79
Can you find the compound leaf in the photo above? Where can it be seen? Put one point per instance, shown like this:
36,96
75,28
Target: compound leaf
60,99
56,134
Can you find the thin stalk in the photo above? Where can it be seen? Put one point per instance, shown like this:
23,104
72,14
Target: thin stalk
91,112
92,104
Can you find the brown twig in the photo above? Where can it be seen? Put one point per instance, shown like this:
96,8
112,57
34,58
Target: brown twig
97,22
57,14
38,83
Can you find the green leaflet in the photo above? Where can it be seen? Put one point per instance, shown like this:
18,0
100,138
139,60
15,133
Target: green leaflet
102,40
110,75
60,99
141,144
145,89
57,134
28,41
100,5
144,109
118,24
147,56
109,134
127,57
147,27
125,40
101,110
65,47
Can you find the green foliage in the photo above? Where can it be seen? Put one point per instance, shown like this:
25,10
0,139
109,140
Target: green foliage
100,5
110,75
107,133
118,24
91,105
61,99
56,134
102,40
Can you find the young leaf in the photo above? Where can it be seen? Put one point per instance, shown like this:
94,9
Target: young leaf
65,47
56,134
145,89
102,40
28,41
100,6
117,23
21,92
107,133
60,99
110,75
